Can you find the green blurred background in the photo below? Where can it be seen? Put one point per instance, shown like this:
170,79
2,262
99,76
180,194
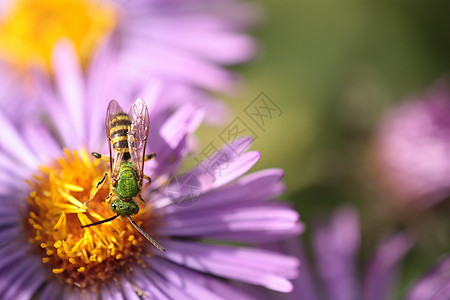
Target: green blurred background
334,67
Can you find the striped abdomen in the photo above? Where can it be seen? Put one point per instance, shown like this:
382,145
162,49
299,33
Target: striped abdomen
119,126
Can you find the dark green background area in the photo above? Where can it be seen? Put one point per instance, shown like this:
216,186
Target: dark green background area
334,67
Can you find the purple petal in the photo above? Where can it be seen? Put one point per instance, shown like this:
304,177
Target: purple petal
249,265
111,291
12,253
9,216
14,273
51,291
27,284
11,141
383,268
336,245
128,289
172,148
154,287
42,143
9,233
71,87
195,284
101,87
254,188
435,285
304,286
225,165
219,46
185,120
166,62
262,221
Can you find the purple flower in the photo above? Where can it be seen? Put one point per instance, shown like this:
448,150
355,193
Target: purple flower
412,150
433,286
209,219
333,274
183,41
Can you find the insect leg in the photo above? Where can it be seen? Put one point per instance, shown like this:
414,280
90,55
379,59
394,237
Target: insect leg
148,178
100,156
97,188
149,156
141,199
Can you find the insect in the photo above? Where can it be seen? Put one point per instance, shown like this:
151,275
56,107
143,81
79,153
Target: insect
127,134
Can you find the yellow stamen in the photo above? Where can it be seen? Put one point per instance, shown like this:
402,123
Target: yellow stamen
30,28
56,214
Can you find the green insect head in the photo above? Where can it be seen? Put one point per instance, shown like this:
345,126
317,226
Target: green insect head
124,208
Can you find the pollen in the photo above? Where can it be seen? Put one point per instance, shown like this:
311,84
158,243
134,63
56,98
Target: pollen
29,29
83,257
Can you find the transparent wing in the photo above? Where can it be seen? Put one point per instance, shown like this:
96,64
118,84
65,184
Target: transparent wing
115,157
138,134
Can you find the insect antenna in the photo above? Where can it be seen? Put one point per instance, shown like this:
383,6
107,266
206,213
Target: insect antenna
100,222
155,243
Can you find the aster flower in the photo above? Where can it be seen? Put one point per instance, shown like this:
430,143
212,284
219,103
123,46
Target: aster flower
47,175
434,285
188,42
334,272
411,150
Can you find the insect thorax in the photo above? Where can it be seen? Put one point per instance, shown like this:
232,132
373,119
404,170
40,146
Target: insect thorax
128,183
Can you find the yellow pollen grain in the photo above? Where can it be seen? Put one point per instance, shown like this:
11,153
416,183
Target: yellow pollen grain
72,261
65,247
45,260
58,271
118,256
38,227
81,269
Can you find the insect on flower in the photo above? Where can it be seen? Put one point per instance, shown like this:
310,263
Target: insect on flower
127,134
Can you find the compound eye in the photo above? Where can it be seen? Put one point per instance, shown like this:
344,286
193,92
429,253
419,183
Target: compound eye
113,206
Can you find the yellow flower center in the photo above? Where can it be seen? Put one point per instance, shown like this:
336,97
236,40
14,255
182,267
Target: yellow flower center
30,29
82,256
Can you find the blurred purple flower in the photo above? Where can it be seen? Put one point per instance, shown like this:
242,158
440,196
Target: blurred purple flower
334,273
412,150
433,286
188,42
228,207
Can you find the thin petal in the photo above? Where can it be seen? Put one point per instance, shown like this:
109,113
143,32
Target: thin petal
70,84
249,265
196,284
262,221
336,245
382,270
